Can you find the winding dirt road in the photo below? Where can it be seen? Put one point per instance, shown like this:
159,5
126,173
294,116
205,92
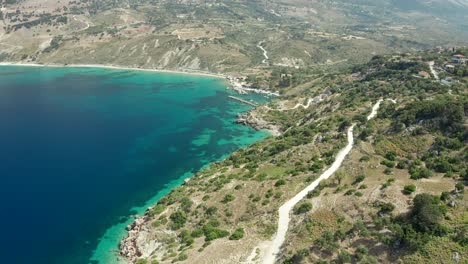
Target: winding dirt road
284,211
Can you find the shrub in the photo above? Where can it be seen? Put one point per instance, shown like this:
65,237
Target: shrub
303,208
182,257
159,208
278,195
197,233
420,173
427,212
280,183
409,189
364,159
389,164
391,155
359,179
186,238
228,198
401,164
186,204
361,252
142,261
344,257
238,234
314,193
359,194
444,196
386,208
178,219
460,187
298,257
388,171
215,234
211,210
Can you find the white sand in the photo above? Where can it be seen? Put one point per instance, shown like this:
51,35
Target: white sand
115,67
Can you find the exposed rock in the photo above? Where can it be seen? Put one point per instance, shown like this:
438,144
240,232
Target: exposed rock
251,119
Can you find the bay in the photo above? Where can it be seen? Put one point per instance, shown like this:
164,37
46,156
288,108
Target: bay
83,149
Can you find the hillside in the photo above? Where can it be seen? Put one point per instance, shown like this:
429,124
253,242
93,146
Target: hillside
398,196
223,36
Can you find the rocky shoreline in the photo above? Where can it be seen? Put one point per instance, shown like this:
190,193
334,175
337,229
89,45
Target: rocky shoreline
128,246
252,119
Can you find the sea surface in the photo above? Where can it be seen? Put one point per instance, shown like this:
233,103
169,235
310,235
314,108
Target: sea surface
84,149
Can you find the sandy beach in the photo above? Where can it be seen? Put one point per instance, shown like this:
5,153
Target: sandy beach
114,67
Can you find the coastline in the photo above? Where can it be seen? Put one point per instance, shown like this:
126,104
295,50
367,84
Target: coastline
108,247
115,67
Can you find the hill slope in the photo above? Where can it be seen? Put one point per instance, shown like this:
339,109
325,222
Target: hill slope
223,36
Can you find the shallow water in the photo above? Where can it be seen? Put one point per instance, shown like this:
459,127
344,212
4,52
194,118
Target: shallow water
82,149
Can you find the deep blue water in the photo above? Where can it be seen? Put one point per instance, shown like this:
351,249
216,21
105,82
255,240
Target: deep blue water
80,147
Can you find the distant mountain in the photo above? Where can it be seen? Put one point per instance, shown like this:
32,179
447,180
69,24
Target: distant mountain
223,36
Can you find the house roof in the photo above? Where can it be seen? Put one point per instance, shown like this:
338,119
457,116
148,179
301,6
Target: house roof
459,56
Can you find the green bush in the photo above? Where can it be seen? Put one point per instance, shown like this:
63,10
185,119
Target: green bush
228,198
419,173
159,208
186,238
303,208
389,164
344,257
237,234
178,218
197,233
215,233
314,193
359,179
364,159
141,261
212,210
391,155
444,196
401,165
280,183
388,171
427,212
386,208
361,252
409,189
182,257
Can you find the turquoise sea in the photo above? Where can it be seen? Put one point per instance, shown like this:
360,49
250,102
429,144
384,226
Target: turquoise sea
84,149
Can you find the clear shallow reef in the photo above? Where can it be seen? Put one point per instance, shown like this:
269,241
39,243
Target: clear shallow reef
83,149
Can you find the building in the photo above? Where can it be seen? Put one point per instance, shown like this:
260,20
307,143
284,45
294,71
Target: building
450,68
459,59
